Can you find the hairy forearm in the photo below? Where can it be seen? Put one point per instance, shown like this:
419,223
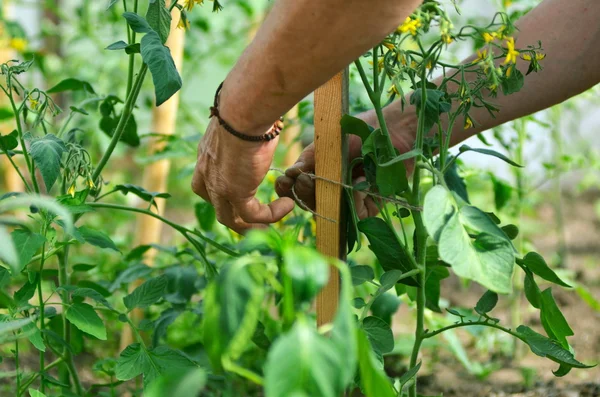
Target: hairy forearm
302,44
570,33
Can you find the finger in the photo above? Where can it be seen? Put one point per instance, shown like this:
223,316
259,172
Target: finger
283,186
227,216
305,162
199,187
305,191
252,211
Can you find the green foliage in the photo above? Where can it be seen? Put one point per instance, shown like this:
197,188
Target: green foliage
47,153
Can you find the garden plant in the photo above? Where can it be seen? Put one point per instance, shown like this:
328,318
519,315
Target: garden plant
249,302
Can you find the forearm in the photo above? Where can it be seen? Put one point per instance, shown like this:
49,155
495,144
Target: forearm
570,34
301,44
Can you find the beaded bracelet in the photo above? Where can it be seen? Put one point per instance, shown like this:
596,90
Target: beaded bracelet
267,136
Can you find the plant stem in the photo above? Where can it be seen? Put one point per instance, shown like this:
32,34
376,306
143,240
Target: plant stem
25,183
63,279
41,299
127,110
53,364
472,323
421,238
18,380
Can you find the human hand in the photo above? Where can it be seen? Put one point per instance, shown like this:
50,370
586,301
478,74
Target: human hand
402,127
227,175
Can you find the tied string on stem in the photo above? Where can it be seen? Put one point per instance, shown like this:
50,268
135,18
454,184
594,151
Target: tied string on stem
305,207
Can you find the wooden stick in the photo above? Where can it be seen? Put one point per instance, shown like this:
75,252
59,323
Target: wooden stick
331,102
12,182
155,177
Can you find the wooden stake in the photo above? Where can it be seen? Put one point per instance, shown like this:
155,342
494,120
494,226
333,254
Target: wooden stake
331,103
148,229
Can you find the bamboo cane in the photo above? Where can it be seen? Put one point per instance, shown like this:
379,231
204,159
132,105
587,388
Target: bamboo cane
331,102
148,229
12,182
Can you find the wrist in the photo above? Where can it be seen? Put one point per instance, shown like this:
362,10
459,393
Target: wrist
234,110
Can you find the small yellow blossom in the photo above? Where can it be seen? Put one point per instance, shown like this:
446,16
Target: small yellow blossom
511,54
183,23
18,43
429,65
413,64
33,103
388,45
538,56
481,55
468,122
410,25
509,70
446,38
402,59
379,64
90,183
507,3
189,4
71,190
393,90
489,37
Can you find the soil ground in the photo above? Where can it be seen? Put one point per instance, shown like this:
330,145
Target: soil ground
447,377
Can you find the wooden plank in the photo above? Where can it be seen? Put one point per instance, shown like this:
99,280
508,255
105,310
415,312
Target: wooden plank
331,103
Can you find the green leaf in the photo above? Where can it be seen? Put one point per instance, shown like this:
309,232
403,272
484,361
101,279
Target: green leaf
27,244
97,238
146,294
402,157
206,215
389,279
455,182
435,104
141,192
35,336
384,243
92,294
502,192
47,153
488,259
72,85
361,274
486,303
8,253
137,23
373,379
532,291
159,18
379,334
35,393
26,292
9,142
355,126
6,114
302,363
136,360
514,82
391,178
164,73
545,347
308,270
177,383
385,306
536,263
408,375
555,324
489,152
511,231
118,45
435,274
84,317
111,3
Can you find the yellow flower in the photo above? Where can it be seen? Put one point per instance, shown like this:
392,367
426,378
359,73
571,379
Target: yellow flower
18,43
393,90
489,37
71,190
90,183
538,56
183,23
429,65
509,70
413,64
313,226
379,64
468,122
481,55
33,103
446,38
189,4
507,3
511,54
410,25
402,59
388,45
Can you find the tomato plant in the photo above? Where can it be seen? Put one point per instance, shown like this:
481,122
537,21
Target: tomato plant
229,317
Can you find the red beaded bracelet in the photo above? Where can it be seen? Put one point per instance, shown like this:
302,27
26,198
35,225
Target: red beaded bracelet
267,136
